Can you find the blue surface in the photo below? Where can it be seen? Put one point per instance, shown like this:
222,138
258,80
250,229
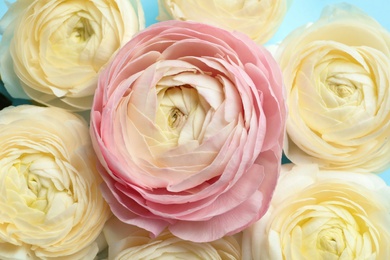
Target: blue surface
300,13
304,11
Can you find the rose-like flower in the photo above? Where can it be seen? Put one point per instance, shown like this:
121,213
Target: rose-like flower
337,76
257,19
53,51
50,203
187,122
131,242
323,215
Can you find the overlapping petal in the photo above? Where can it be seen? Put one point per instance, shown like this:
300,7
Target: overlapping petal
257,19
53,51
322,214
50,204
131,242
187,123
337,80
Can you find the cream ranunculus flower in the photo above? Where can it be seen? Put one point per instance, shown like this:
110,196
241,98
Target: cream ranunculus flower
257,19
131,242
323,215
337,76
53,51
50,203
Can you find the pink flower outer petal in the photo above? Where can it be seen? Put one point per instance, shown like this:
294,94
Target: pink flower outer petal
215,208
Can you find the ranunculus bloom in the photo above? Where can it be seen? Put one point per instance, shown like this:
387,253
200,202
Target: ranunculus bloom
257,19
53,51
131,242
187,122
50,203
337,76
323,215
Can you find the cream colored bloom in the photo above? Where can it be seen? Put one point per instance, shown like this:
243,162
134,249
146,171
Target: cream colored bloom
53,51
130,242
338,85
50,203
257,19
323,215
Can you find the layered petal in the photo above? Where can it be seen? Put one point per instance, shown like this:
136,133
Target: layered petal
322,214
50,204
187,123
131,242
257,19
53,51
337,80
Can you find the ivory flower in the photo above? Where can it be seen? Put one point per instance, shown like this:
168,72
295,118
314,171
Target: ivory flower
188,122
323,215
53,51
257,19
131,242
337,76
50,203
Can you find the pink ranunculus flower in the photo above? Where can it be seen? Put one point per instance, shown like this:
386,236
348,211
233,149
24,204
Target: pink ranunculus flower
188,122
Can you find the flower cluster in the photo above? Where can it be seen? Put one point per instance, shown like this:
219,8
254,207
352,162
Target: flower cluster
166,141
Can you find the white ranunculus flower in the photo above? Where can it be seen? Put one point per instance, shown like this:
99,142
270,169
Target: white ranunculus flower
131,242
50,203
337,76
257,19
53,51
324,214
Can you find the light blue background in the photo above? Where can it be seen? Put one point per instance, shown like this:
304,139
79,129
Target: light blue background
300,13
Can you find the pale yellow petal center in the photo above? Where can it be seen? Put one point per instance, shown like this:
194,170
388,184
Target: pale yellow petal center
33,177
176,118
82,31
331,240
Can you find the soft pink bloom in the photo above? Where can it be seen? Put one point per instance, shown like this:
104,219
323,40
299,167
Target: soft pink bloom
187,122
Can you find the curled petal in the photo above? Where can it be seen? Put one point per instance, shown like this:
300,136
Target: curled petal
187,123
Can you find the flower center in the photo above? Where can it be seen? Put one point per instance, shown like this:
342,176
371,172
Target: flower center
341,87
82,31
36,184
70,40
176,106
176,118
331,240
